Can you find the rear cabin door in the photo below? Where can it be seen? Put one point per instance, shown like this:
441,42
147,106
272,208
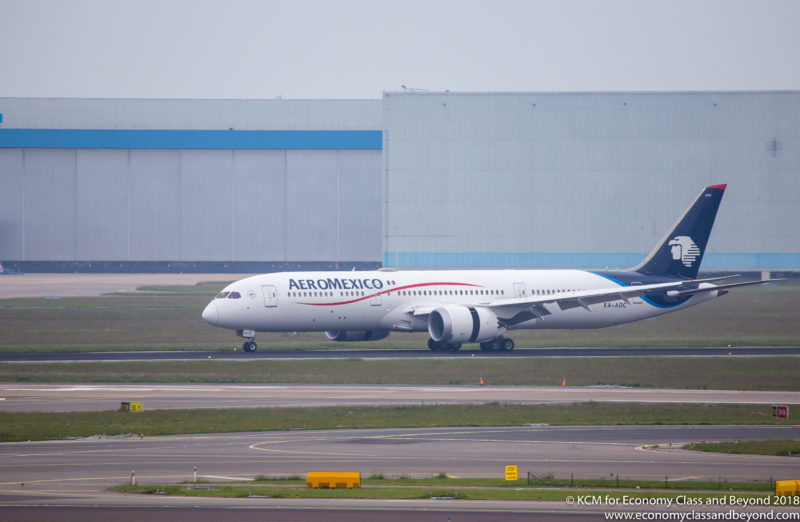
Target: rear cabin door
519,289
270,296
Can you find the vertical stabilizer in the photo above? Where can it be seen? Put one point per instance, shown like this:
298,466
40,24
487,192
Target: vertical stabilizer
680,252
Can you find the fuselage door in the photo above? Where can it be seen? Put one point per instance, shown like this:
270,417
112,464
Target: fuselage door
375,300
519,289
270,296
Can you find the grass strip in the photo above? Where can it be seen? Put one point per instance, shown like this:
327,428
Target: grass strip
750,447
443,480
752,373
57,425
516,493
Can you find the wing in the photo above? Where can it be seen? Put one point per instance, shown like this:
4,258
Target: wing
514,311
520,309
534,306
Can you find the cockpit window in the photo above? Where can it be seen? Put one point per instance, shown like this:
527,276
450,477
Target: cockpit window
234,295
222,295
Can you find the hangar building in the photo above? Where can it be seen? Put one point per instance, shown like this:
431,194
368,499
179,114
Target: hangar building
588,180
412,180
189,185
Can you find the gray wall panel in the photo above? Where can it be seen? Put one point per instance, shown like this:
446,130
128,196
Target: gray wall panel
102,204
207,205
155,205
260,205
81,113
588,173
11,204
360,201
312,209
50,205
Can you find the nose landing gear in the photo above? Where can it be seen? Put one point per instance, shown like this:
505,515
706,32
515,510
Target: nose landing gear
249,335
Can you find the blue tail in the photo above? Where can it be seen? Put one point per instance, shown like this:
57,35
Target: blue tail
680,252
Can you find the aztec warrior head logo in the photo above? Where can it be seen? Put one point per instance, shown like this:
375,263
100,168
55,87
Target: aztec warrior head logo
684,249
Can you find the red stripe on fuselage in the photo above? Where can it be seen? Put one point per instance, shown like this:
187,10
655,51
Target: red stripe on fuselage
388,292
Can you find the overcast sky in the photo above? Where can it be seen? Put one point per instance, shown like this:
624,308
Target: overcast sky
359,48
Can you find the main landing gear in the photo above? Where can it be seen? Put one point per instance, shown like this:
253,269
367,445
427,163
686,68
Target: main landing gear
443,347
249,346
501,344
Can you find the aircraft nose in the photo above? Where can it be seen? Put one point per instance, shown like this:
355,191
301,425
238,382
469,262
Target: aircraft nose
211,314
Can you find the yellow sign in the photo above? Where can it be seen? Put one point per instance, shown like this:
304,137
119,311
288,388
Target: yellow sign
511,473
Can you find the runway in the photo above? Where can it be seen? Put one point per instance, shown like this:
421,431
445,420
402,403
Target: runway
78,473
239,355
93,285
21,397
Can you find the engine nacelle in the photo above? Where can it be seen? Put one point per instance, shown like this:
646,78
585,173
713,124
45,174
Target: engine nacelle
353,336
461,324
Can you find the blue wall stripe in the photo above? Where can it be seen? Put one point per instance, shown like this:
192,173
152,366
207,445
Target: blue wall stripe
720,261
191,139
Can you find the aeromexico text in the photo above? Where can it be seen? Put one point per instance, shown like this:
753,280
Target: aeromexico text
332,283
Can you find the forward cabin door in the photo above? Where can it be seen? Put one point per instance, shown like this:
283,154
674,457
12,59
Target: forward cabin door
519,289
270,296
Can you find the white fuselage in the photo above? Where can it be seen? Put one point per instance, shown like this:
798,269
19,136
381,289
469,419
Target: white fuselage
390,300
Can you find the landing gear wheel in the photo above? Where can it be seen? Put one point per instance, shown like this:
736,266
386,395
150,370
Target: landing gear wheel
507,344
249,346
433,345
494,345
454,347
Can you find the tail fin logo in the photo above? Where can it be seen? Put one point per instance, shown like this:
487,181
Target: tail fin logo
684,249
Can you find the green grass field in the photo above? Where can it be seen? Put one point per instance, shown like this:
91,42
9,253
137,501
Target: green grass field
169,318
731,373
750,447
442,485
57,425
451,492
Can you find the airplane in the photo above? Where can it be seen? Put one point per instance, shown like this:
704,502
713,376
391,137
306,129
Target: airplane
477,306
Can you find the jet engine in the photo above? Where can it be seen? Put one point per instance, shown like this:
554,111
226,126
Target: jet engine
461,324
352,336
